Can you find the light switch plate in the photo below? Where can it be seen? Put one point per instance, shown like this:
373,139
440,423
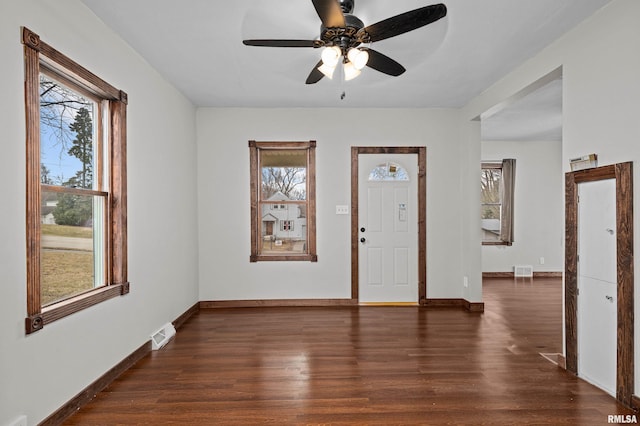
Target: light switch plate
342,209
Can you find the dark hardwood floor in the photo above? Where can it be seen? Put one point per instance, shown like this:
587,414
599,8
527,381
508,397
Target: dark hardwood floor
362,365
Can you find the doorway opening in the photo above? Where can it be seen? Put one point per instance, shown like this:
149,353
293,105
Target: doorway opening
623,175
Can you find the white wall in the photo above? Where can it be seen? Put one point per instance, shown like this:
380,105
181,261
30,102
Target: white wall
538,209
469,189
42,371
223,190
601,88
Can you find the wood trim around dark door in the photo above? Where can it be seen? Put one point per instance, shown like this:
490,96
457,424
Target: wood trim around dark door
623,174
421,151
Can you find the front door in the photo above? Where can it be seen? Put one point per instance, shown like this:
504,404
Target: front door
597,286
388,228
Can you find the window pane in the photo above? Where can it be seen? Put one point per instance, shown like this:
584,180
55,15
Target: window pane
490,185
491,223
71,245
283,175
389,172
67,132
284,228
491,204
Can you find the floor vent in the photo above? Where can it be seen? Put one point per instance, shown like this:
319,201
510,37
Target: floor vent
162,336
523,271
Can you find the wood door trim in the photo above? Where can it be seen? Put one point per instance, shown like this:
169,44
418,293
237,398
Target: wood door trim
421,151
623,175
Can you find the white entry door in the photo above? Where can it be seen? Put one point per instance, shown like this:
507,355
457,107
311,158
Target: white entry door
388,228
597,284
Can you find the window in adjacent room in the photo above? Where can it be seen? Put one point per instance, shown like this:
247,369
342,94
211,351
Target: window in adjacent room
76,189
496,196
283,201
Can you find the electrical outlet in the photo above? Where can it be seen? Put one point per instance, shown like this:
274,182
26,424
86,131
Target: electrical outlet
465,282
342,209
542,260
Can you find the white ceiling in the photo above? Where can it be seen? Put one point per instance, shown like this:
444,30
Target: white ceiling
535,117
197,46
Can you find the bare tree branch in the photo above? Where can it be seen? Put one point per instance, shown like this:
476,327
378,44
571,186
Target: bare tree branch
58,107
287,180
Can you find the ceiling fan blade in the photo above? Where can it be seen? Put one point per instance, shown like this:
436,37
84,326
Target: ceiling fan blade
330,13
402,23
315,75
383,63
282,43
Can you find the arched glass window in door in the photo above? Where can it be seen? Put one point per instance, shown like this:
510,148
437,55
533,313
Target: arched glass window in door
389,172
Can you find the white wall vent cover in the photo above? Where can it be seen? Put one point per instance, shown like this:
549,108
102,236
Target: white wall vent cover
523,271
162,336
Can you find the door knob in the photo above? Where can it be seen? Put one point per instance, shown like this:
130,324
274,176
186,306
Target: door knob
362,229
609,298
609,230
363,239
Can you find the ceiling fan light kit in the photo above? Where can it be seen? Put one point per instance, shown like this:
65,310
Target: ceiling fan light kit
358,58
353,62
350,71
327,70
342,34
331,56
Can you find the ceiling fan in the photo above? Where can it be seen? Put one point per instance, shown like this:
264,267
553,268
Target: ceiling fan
342,34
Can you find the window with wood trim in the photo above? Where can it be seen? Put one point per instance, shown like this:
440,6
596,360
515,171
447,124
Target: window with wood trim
496,197
76,186
283,201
